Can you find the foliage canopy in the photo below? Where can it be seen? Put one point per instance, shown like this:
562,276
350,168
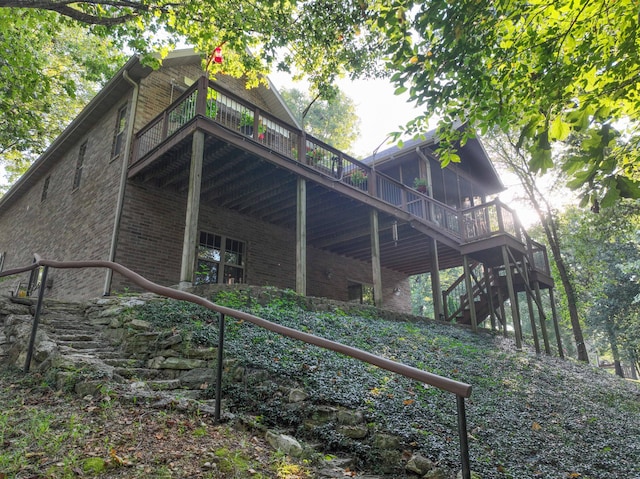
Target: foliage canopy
553,71
550,71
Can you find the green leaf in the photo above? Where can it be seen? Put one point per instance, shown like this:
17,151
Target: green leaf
628,188
559,130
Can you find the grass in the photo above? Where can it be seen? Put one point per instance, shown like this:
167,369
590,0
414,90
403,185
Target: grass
529,416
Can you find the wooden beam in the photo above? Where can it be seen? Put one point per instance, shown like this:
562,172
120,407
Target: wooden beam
301,238
488,280
529,295
555,323
469,288
189,246
375,259
512,298
543,319
436,285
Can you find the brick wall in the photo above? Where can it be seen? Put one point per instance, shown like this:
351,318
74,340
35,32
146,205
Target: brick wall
151,237
70,223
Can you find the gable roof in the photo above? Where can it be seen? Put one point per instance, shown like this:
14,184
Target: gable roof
472,152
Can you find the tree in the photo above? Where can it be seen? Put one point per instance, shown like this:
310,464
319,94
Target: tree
52,51
515,159
48,71
542,69
603,251
334,121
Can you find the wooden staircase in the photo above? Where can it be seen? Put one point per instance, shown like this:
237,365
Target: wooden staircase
489,292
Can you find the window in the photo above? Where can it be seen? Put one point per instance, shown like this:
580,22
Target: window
79,164
220,259
45,188
118,137
360,293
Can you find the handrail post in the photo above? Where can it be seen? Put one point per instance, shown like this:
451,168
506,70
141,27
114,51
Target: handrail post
216,415
36,319
464,440
201,98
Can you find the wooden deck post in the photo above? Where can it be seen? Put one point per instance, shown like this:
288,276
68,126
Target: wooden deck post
512,297
532,317
375,259
469,287
556,327
436,286
543,319
301,238
492,306
503,313
189,244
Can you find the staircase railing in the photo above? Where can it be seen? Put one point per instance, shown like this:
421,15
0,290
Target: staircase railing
455,297
461,390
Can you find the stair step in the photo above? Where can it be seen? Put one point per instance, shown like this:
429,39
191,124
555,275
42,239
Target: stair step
70,338
123,362
69,326
164,384
79,344
100,353
140,373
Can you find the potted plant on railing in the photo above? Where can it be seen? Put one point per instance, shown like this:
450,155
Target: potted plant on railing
246,123
261,131
420,184
314,156
358,177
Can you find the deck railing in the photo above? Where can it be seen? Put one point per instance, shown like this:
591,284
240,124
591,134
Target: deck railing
459,389
206,99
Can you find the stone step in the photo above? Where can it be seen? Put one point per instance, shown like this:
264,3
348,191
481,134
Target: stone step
99,353
110,354
123,362
69,338
69,326
164,384
78,344
140,373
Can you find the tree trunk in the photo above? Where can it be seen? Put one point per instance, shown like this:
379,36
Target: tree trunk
571,299
613,342
519,165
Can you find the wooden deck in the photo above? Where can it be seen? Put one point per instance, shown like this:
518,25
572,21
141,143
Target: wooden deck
252,162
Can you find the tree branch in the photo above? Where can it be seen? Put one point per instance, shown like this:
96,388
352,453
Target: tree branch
64,8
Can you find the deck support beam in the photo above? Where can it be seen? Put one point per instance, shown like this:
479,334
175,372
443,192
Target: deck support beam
469,288
556,326
301,237
512,298
543,319
492,307
189,244
529,294
375,258
436,285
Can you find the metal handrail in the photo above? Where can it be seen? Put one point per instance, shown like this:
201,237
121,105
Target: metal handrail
461,390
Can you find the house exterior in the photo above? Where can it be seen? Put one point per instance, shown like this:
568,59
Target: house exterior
189,180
